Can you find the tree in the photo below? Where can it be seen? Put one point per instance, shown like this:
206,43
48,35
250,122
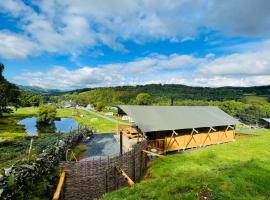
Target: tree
252,114
46,114
29,99
9,93
143,99
232,107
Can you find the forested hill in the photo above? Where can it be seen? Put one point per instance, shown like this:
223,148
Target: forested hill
40,91
182,92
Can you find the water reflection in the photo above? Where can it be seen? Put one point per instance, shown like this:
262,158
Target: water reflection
33,128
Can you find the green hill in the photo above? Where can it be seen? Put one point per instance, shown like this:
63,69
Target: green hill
40,91
236,170
161,93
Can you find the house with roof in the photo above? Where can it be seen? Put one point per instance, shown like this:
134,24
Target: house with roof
172,128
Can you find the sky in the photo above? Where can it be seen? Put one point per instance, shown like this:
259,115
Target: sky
70,44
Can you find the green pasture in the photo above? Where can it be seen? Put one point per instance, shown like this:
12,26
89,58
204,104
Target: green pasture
236,170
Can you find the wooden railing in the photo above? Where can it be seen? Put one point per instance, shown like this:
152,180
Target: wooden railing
60,185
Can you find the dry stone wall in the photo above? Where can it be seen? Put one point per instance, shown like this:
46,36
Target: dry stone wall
24,173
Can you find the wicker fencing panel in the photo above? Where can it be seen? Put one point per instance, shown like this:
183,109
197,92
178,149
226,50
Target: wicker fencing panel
91,179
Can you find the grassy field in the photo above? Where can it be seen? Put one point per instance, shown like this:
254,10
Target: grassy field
13,140
100,124
9,129
237,170
255,99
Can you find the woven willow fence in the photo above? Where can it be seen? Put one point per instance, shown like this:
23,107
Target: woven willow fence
91,179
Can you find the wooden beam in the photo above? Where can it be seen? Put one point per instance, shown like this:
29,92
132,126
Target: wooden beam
192,137
60,185
208,135
169,143
129,180
152,153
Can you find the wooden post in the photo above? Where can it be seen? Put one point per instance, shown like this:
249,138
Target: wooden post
57,193
129,180
121,142
30,149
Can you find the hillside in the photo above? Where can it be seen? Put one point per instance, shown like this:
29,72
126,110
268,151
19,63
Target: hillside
40,91
160,92
236,170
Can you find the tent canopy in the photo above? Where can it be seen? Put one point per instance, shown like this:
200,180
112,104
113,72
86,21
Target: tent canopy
266,119
164,118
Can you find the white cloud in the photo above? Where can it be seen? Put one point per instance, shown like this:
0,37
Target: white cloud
73,27
216,81
153,69
109,74
252,59
13,46
69,27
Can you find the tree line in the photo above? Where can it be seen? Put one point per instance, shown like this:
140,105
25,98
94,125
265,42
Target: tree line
230,99
100,98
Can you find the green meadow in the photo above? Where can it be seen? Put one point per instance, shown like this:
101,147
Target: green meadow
236,170
14,142
99,124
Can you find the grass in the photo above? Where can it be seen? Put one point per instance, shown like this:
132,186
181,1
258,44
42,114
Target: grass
237,170
255,99
14,142
9,129
101,125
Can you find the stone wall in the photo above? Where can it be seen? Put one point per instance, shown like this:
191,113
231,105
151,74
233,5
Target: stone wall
25,173
91,179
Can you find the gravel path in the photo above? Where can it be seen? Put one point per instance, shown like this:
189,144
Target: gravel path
101,145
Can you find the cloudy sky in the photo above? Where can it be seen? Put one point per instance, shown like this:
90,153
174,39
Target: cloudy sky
69,44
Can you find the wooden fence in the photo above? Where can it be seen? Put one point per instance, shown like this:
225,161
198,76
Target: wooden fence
91,179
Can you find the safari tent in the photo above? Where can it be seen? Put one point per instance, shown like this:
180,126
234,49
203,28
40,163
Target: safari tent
171,128
265,122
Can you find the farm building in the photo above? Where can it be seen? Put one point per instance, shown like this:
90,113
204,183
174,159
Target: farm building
171,128
265,122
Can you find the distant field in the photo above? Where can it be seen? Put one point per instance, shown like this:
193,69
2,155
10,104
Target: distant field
255,99
10,130
8,123
100,124
237,170
13,140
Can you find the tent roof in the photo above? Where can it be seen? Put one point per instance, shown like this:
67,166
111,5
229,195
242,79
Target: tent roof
162,118
266,119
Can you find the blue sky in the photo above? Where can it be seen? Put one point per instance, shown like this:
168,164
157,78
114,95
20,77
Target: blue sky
76,44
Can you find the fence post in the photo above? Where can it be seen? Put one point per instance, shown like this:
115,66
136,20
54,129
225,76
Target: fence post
30,149
121,142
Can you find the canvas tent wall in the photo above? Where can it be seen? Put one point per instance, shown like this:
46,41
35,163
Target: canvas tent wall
179,127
